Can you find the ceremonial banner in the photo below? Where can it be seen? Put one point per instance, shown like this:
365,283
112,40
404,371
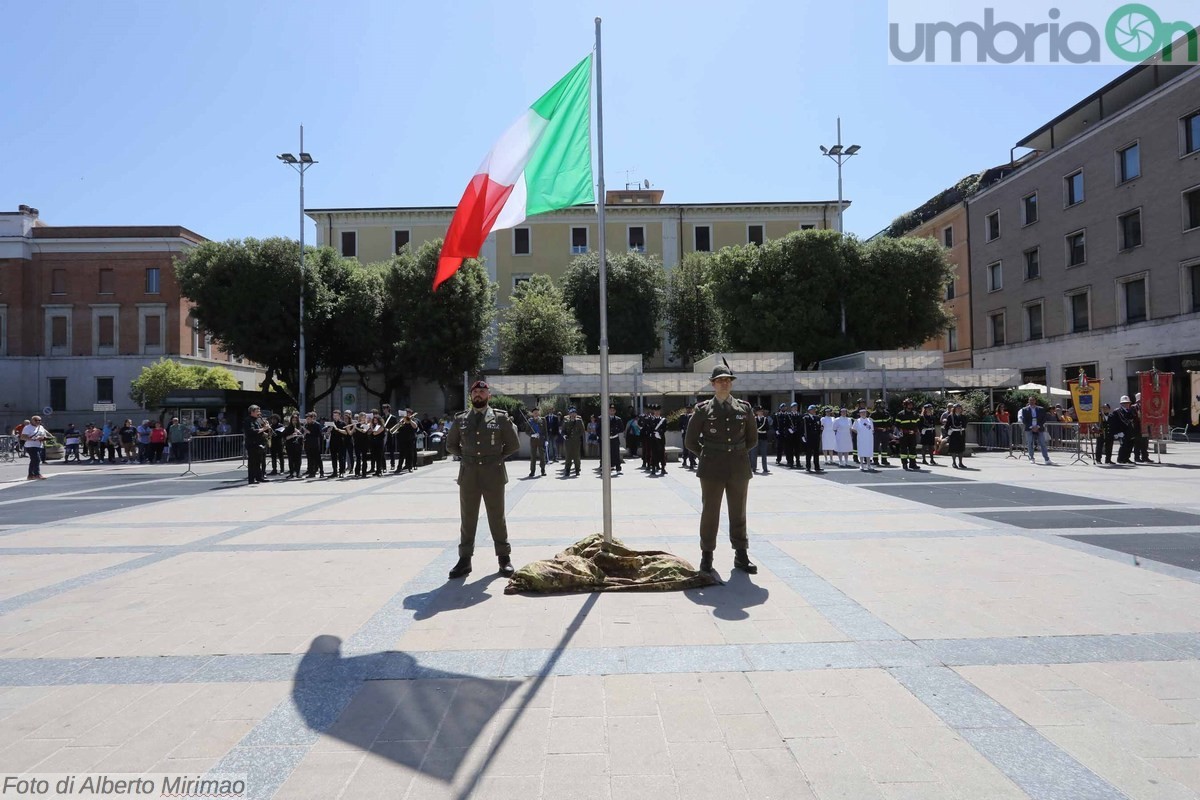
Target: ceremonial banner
1195,398
1156,399
1085,394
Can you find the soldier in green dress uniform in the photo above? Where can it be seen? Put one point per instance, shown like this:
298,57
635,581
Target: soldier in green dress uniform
573,430
482,437
723,432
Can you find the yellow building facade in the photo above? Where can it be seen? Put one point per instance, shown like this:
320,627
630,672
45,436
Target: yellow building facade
634,220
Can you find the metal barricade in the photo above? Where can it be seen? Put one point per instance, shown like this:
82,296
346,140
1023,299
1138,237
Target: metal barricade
989,436
215,448
8,447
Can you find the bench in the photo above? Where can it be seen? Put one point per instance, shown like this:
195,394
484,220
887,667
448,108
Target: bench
427,457
674,454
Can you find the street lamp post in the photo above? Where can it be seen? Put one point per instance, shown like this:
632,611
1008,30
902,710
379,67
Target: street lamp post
839,156
301,166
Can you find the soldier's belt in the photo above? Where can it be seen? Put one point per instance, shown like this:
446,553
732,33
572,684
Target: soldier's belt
483,461
723,448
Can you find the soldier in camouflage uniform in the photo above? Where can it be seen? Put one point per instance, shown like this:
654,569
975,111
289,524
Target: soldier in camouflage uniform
482,437
723,432
573,431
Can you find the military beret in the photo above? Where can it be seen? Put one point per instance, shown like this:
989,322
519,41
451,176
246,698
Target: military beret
479,385
572,410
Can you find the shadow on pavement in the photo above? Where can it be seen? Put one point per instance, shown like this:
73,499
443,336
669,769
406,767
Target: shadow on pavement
450,596
422,718
730,601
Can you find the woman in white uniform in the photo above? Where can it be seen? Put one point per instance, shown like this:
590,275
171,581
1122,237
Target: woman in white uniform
828,439
843,442
865,428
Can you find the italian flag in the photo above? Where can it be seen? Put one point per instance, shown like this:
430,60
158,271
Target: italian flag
542,162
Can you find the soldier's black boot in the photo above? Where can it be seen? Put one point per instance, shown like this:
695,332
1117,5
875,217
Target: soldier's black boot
884,461
706,561
741,560
462,569
506,567
933,463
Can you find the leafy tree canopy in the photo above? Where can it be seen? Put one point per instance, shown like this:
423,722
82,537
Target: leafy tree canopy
636,299
694,320
538,329
165,376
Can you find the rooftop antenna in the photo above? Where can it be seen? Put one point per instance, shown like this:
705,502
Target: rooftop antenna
647,183
631,184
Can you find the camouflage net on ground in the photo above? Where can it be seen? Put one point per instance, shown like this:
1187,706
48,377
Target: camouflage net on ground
590,565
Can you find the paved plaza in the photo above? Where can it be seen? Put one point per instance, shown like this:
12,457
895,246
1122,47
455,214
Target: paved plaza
1015,630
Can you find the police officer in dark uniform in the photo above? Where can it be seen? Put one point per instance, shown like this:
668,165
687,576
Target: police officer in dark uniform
928,428
657,426
723,432
909,421
687,457
482,437
644,439
780,424
883,432
810,427
1104,437
615,426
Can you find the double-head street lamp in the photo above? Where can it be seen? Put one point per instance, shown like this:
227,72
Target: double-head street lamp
301,165
840,155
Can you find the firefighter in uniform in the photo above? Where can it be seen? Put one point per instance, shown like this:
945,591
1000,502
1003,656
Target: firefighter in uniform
723,432
482,437
883,428
909,421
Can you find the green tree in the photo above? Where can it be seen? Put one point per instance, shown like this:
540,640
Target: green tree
538,329
636,297
896,299
694,321
163,376
246,294
422,334
788,294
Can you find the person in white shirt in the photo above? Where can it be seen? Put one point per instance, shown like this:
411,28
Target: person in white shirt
828,436
841,434
865,428
34,437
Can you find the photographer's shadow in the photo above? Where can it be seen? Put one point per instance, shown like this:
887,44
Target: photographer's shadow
387,704
730,600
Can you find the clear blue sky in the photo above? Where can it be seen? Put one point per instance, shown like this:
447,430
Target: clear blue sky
140,112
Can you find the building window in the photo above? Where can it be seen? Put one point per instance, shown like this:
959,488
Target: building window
1130,226
948,236
106,281
1191,133
991,226
520,279
1033,321
3,329
1129,163
104,390
1191,209
1071,371
58,334
58,281
1076,248
808,227
996,329
950,289
995,275
703,239
106,332
1132,292
153,338
952,338
152,280
1074,188
58,394
1079,311
522,245
1029,209
1191,294
350,244
636,238
579,240
400,240
754,234
1033,264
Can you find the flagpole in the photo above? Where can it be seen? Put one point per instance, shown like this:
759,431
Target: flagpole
605,433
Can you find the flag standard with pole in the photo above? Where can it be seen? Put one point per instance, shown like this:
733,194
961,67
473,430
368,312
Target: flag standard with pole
543,162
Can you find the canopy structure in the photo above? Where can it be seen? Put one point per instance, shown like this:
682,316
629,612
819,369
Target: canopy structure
1040,389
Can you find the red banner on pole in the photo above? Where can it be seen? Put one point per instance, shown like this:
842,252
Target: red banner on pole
1156,397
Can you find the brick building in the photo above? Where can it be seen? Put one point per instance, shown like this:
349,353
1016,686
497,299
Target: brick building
83,309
